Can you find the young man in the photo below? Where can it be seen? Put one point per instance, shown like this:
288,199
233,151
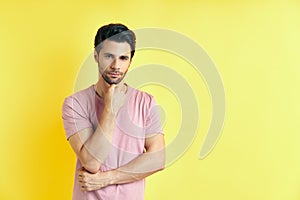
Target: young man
114,129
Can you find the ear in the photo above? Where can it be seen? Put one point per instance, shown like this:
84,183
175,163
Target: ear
96,56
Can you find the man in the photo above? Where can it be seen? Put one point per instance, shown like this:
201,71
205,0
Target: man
114,129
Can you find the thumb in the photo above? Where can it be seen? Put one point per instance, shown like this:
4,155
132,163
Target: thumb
112,87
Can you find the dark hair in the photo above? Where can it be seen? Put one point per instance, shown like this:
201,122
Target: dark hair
115,32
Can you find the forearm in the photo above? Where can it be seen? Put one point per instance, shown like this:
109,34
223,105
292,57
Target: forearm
93,146
96,148
139,168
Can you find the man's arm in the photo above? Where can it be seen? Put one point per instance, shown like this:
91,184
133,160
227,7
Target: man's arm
151,161
92,148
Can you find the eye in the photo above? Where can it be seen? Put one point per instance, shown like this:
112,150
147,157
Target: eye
124,58
108,56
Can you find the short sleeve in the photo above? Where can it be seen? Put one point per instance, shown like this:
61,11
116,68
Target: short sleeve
153,122
74,116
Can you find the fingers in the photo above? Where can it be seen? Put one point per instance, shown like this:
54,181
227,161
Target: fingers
90,179
86,184
81,172
115,97
114,90
87,181
112,87
90,182
84,181
89,187
108,95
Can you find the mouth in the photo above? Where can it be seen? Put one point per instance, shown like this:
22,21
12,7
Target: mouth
114,74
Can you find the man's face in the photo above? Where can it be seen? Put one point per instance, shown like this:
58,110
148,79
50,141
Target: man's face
113,60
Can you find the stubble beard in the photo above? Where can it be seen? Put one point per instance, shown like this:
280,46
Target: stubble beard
111,81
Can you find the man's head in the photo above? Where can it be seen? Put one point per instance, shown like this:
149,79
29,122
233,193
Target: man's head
114,49
115,32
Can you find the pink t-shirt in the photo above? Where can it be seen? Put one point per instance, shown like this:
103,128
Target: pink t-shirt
136,119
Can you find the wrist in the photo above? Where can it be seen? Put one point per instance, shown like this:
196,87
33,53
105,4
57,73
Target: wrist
111,177
108,111
107,107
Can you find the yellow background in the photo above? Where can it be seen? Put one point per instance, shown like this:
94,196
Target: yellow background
255,46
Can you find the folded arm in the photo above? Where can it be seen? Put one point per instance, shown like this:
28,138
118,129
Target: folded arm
151,161
92,147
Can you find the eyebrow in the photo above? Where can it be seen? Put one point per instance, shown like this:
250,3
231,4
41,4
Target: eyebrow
124,57
110,54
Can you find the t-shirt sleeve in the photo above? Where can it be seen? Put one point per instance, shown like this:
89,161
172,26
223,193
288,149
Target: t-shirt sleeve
74,116
153,121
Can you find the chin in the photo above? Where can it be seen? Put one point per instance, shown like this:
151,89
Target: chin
109,81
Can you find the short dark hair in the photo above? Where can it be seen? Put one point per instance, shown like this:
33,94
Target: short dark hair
115,32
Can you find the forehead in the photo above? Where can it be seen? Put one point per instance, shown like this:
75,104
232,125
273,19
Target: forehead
115,48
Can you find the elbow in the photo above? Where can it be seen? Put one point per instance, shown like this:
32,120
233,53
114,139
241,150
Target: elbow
91,166
88,162
162,167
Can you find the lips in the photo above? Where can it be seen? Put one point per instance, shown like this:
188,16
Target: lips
114,74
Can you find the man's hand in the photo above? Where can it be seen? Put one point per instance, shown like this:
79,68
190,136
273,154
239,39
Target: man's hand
89,182
108,95
114,97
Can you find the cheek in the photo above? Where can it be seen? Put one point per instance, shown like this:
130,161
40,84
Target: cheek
104,64
125,65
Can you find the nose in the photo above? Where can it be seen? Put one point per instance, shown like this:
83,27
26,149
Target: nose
115,64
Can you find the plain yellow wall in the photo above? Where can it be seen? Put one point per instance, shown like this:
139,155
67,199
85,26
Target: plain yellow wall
255,46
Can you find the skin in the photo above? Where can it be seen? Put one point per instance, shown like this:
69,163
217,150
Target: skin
92,147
